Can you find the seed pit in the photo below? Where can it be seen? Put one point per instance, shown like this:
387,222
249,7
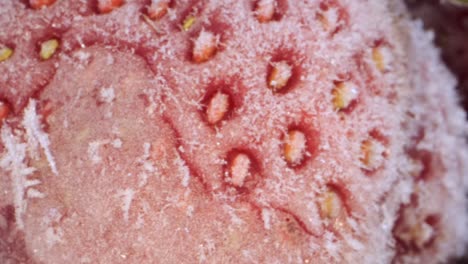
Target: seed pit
190,14
269,10
332,16
5,53
373,151
382,56
107,6
48,48
295,147
220,100
218,107
241,171
413,231
279,75
39,4
204,46
283,72
300,144
157,9
331,204
333,207
426,164
344,95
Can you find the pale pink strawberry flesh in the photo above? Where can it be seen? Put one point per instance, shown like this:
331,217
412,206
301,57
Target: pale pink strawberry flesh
107,155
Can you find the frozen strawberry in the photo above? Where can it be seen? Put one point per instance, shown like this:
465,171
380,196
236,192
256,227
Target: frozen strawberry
264,131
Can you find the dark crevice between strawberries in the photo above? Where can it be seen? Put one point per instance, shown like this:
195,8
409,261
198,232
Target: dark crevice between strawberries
294,59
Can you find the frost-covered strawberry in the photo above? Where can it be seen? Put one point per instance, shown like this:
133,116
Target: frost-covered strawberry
227,132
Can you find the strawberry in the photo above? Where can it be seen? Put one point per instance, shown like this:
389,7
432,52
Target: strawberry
271,131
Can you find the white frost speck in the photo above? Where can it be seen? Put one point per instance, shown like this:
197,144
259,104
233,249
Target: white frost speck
13,161
93,152
36,135
33,193
53,236
127,197
266,217
117,143
184,171
107,95
190,210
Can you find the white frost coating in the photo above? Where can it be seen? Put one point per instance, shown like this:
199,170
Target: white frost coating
127,197
107,95
36,135
235,219
13,161
190,210
117,143
33,193
266,218
184,171
93,152
53,236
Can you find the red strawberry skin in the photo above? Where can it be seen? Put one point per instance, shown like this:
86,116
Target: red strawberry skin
114,150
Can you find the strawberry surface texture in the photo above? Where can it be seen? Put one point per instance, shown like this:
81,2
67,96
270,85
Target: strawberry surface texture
185,131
